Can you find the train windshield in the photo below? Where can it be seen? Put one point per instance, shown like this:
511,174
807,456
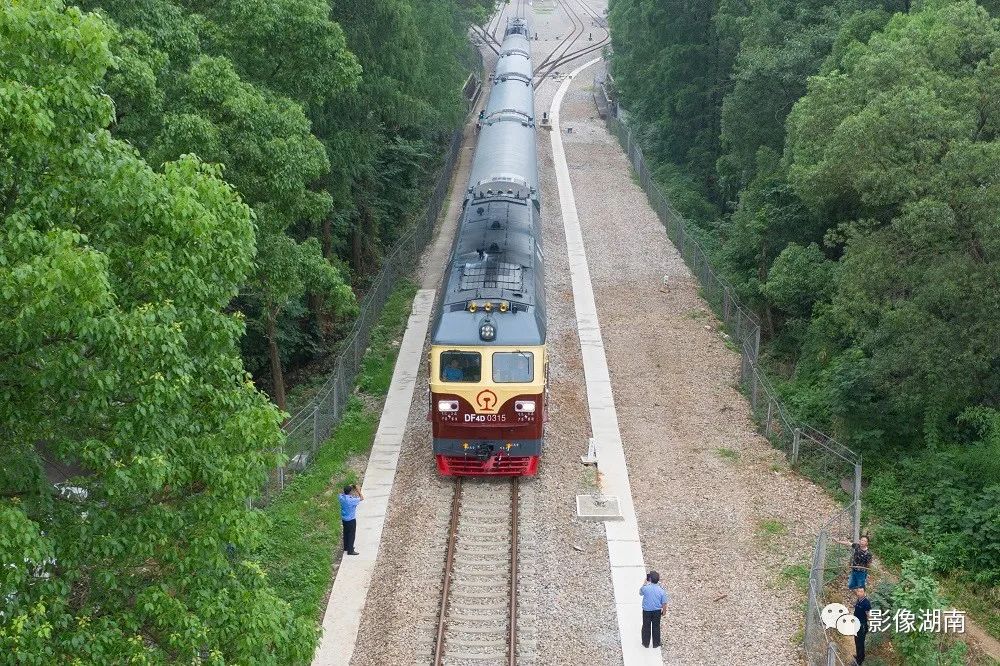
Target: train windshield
460,366
513,367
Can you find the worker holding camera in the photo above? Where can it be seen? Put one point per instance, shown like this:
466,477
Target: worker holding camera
349,500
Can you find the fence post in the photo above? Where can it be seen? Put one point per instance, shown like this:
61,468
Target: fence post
767,424
725,304
857,501
756,343
796,435
315,446
831,655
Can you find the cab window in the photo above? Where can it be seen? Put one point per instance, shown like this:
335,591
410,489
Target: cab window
460,366
513,367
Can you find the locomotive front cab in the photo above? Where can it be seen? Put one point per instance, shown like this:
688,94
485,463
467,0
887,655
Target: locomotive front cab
487,407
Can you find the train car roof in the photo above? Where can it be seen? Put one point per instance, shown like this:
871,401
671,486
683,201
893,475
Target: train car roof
505,150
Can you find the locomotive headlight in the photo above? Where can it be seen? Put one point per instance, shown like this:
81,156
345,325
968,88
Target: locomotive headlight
487,331
503,306
488,306
447,405
524,406
472,306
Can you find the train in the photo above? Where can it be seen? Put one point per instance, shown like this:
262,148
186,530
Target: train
488,369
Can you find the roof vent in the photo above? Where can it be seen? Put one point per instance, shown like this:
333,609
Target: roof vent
496,225
494,247
480,210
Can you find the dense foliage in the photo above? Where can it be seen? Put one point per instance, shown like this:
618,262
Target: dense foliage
117,358
186,189
844,160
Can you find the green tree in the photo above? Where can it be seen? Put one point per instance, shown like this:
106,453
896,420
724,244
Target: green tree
671,69
120,369
897,145
272,159
917,592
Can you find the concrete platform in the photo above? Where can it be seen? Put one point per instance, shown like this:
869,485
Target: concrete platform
350,589
628,569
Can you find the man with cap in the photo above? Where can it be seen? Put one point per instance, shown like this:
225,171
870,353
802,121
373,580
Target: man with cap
654,604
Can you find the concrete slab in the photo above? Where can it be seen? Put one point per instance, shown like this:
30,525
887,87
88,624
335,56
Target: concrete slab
598,507
350,588
628,569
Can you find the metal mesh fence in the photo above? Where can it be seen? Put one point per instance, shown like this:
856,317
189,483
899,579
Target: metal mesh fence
808,450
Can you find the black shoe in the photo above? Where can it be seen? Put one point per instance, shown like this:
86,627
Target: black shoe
655,646
644,645
353,552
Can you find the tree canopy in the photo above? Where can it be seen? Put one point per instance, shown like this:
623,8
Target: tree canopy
119,363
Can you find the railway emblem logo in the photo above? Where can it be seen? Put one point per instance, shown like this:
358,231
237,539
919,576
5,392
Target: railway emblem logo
487,400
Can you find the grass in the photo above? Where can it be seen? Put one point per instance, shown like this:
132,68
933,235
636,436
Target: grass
727,454
980,604
697,314
797,575
771,527
303,531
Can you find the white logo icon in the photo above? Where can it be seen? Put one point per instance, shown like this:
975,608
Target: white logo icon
848,625
833,612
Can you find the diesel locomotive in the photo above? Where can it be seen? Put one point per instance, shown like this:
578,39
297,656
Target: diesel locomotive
488,369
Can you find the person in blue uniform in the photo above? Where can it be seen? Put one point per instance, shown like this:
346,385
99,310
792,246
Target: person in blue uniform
654,604
349,500
453,373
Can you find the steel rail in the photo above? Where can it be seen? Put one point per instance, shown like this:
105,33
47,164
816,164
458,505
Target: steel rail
501,8
555,58
487,39
456,503
512,631
563,42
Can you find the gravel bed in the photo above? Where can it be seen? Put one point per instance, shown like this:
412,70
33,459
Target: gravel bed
720,515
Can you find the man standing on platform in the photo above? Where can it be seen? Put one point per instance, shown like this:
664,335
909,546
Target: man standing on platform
349,500
654,605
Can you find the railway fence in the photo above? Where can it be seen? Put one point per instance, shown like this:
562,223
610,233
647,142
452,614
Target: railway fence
315,421
807,449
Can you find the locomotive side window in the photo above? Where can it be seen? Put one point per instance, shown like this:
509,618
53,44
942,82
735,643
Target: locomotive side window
513,367
460,366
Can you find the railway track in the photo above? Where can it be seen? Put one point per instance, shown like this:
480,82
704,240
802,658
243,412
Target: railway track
564,52
478,615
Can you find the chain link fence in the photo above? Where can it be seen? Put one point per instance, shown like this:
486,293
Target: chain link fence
807,449
828,584
313,423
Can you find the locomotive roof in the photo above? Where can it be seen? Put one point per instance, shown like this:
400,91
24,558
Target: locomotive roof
496,257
